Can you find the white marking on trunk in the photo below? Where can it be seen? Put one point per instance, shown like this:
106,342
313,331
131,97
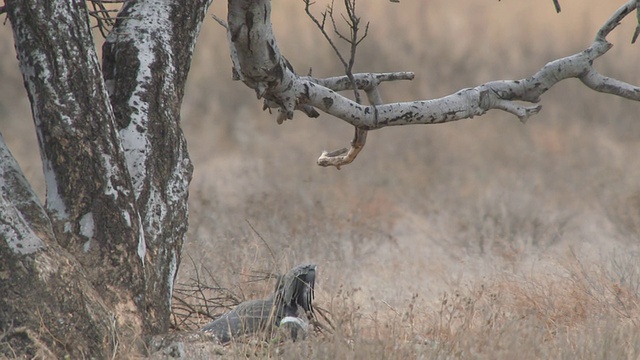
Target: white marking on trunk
86,225
86,246
108,166
142,245
127,218
16,232
148,31
156,212
173,268
55,204
86,229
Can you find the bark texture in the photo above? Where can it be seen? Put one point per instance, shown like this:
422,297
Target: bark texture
47,307
91,273
89,195
146,60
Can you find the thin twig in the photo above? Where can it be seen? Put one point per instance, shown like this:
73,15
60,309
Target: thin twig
273,256
105,19
345,156
637,31
220,21
321,26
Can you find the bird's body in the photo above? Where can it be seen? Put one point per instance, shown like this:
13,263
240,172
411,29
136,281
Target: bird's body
294,291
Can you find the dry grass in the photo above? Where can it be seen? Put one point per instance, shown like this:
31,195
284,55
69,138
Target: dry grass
477,239
568,311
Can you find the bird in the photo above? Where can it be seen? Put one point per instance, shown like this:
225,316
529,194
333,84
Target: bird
296,290
293,292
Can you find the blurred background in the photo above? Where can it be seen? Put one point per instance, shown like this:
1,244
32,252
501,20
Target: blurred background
423,209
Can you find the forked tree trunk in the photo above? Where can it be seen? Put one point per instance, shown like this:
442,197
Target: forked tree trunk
93,270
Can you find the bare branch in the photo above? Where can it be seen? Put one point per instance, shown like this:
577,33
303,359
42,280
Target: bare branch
615,20
363,81
637,31
346,156
321,24
605,84
264,69
105,18
220,21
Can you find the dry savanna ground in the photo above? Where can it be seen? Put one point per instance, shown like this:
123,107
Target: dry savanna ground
477,239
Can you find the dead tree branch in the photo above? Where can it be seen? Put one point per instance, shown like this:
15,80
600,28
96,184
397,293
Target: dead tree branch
346,156
105,16
556,4
258,63
193,302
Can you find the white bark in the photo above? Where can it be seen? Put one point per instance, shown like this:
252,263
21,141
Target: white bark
146,59
19,207
154,18
116,169
39,274
259,64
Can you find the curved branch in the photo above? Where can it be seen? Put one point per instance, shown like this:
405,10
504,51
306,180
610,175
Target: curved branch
346,156
615,20
258,62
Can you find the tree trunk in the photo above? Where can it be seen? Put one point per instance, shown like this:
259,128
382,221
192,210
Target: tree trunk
146,59
94,272
47,305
